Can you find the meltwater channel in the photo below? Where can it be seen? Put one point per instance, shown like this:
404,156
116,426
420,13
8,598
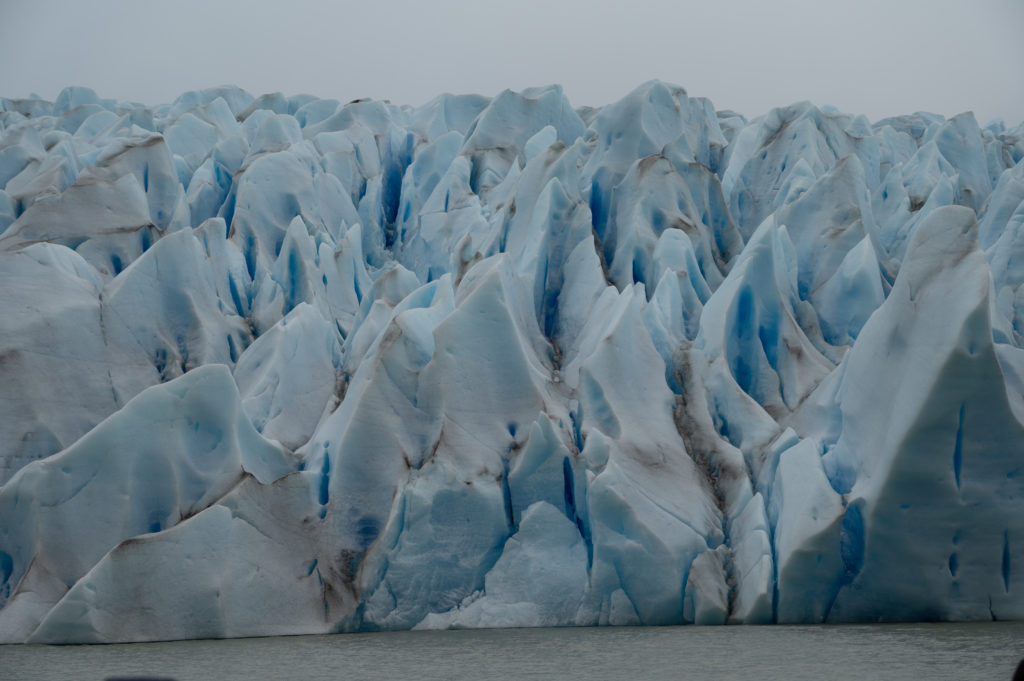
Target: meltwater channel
882,652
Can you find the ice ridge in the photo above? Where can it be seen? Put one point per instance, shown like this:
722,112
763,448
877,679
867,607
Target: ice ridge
283,365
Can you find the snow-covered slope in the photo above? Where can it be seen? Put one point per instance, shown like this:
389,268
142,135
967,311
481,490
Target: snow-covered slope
283,365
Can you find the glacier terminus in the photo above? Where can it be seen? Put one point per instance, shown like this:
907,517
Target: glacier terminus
286,365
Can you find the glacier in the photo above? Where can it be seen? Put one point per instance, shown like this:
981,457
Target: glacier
284,365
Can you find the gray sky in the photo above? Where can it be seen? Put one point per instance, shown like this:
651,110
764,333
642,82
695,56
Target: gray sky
876,57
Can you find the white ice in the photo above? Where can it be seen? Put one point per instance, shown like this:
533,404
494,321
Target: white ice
283,365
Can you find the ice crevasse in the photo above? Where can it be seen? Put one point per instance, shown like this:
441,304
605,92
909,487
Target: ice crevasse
284,365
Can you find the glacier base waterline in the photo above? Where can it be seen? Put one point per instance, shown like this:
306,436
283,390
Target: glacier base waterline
899,652
282,365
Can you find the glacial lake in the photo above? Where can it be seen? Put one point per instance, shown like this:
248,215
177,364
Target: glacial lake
891,652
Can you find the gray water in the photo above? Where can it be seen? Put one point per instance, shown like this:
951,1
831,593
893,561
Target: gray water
920,652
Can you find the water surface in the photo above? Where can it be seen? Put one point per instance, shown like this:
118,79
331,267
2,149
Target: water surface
895,652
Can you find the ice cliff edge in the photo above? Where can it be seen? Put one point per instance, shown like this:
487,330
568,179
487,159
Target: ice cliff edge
283,365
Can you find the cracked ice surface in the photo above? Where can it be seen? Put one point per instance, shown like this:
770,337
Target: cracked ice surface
283,365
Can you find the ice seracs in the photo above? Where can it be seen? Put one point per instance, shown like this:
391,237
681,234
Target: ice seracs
283,365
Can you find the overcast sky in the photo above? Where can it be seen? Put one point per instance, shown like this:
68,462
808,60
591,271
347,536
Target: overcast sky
877,57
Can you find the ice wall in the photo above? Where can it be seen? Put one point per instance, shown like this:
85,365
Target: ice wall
283,365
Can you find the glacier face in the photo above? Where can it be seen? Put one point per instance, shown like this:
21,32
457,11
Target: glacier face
280,365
